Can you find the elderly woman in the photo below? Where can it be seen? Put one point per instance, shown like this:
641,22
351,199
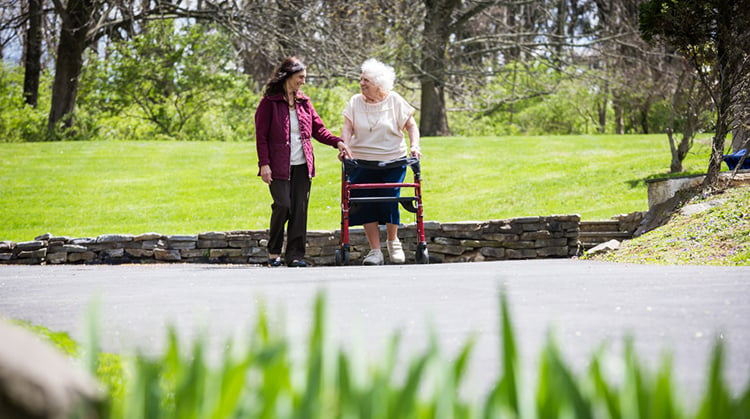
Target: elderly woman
374,125
285,122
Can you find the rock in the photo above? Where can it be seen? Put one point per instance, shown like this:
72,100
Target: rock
183,238
30,245
57,258
606,247
148,237
492,252
37,381
180,245
212,235
701,207
169,255
211,243
83,241
114,238
86,257
58,240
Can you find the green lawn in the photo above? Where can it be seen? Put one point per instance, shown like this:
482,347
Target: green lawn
84,189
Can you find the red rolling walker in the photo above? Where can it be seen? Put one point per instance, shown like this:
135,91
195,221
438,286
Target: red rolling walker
410,203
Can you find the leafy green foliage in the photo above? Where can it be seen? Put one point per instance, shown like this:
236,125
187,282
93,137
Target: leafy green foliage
690,26
18,121
181,83
534,98
179,80
260,379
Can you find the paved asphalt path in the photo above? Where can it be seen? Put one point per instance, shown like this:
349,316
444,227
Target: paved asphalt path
676,310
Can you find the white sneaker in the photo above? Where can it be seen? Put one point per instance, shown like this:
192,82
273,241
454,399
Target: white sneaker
375,257
396,252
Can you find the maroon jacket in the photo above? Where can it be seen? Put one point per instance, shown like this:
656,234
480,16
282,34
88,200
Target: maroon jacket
272,134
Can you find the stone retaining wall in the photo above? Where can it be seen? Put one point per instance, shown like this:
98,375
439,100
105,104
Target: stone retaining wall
469,241
661,190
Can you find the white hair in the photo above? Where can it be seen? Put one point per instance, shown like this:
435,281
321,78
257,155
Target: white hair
382,75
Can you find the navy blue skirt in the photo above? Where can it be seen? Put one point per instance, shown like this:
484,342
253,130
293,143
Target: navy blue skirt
382,212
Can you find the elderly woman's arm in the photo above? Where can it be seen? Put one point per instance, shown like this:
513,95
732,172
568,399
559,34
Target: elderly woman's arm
346,135
347,131
413,132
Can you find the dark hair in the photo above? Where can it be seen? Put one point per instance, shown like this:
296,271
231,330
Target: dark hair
275,85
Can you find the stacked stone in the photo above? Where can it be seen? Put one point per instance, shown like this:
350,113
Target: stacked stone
23,253
630,222
211,247
321,247
516,238
469,241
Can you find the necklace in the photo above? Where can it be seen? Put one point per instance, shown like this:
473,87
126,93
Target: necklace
380,111
370,123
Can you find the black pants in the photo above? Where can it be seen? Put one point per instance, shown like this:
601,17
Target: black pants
290,200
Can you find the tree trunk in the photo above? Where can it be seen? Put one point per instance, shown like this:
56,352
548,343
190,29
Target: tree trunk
512,14
76,21
740,137
602,109
741,113
33,54
676,165
689,103
726,73
717,146
619,117
560,27
680,151
437,30
645,108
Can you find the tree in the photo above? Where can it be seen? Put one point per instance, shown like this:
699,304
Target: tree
437,30
476,56
741,111
714,36
77,19
33,54
689,102
442,19
86,21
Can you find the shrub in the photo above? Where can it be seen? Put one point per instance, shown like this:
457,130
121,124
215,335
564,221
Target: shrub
18,121
263,379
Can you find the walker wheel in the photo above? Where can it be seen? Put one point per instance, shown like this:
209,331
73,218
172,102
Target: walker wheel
422,256
342,257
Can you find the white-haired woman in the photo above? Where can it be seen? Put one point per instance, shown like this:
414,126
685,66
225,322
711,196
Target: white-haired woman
374,124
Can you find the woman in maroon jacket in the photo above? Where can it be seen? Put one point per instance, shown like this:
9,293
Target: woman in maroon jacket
285,122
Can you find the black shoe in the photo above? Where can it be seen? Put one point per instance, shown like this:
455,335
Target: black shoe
274,262
296,263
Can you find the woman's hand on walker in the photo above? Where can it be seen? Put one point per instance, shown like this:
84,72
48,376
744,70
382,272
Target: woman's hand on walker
344,151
